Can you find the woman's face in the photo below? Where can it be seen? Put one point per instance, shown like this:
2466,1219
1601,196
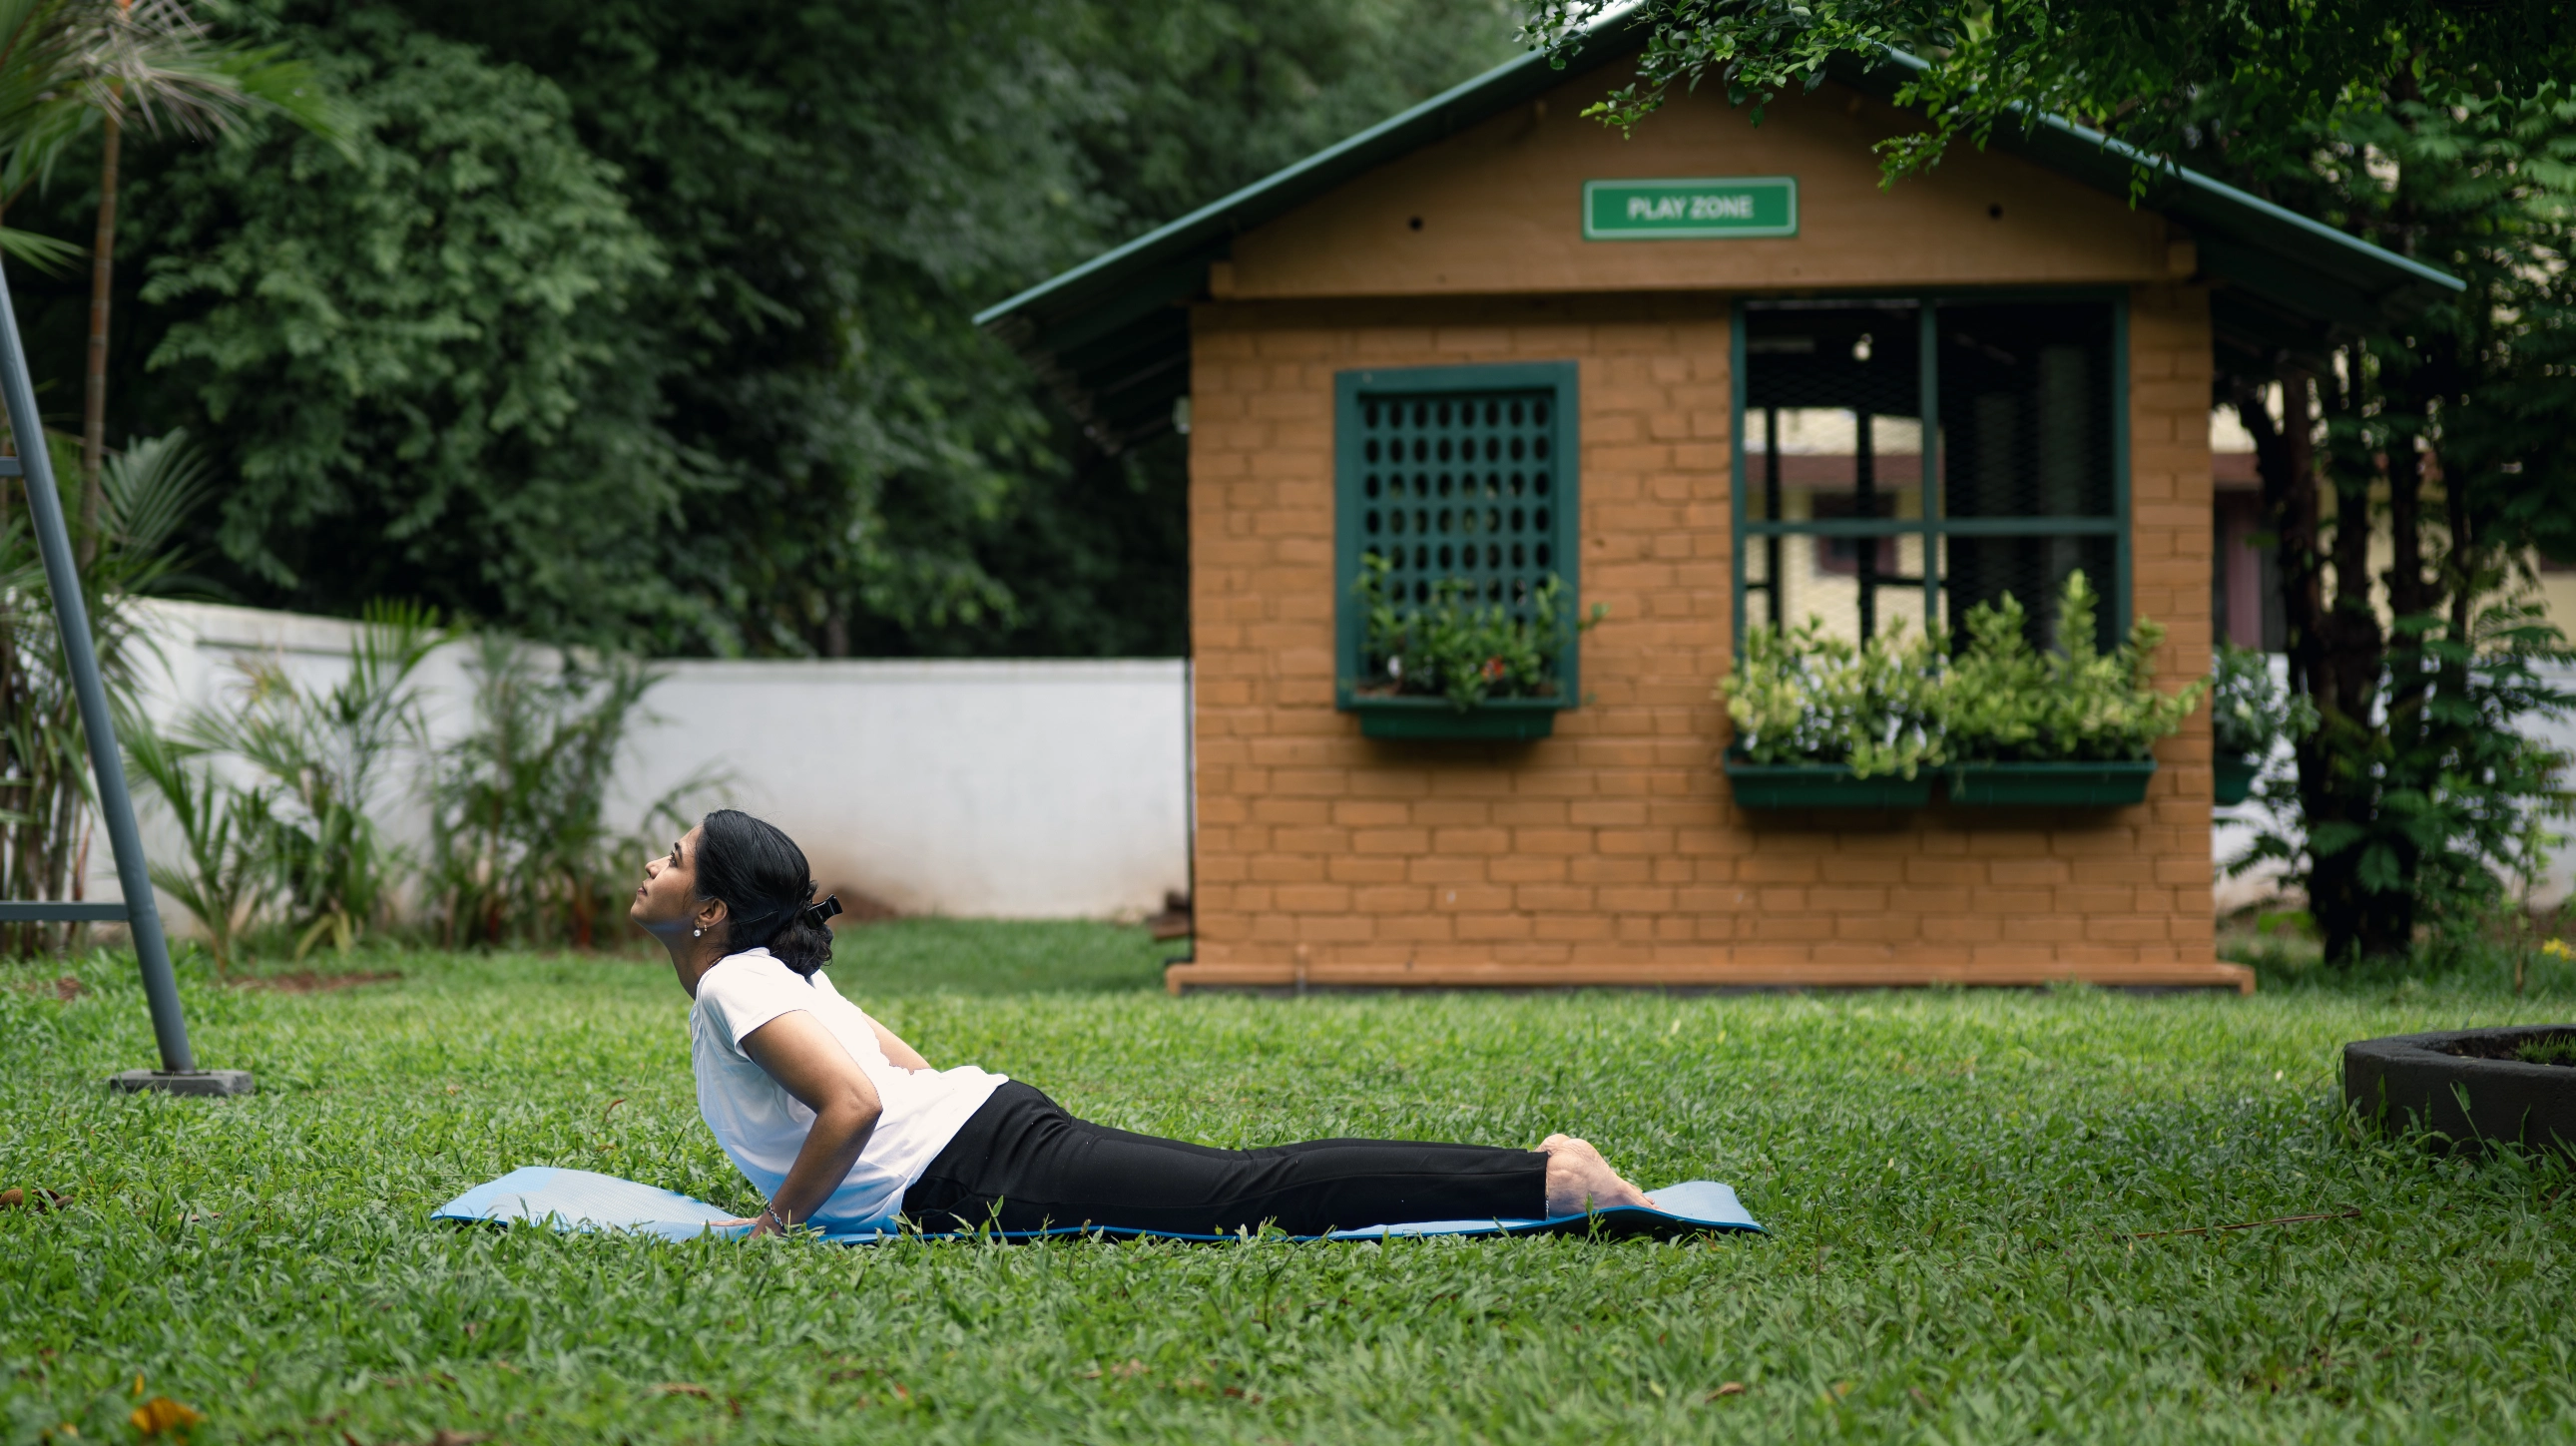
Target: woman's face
667,901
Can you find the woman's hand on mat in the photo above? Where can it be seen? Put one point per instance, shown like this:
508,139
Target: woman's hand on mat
1579,1181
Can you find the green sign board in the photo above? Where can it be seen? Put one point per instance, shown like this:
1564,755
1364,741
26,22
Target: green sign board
1689,210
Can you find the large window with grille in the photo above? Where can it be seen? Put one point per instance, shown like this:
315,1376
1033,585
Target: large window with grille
1904,459
1456,483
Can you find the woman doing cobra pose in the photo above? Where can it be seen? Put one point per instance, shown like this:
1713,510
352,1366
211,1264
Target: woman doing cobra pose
840,1123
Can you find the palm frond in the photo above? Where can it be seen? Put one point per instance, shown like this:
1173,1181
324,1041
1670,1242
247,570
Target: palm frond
150,488
45,253
153,66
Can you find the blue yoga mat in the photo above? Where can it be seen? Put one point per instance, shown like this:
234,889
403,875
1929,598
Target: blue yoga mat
582,1200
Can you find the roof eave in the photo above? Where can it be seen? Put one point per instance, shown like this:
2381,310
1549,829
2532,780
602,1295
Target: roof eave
1102,316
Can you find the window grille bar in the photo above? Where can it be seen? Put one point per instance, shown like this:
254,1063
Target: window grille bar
1952,527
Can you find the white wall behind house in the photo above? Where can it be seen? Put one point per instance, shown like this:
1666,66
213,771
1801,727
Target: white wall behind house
1001,789
1007,789
2233,830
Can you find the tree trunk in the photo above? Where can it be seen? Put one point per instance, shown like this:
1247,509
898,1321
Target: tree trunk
102,275
2341,790
2285,460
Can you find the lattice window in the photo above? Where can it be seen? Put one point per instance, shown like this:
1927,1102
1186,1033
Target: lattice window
1456,474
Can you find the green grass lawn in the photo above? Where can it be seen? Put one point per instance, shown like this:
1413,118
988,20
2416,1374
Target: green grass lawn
1956,1185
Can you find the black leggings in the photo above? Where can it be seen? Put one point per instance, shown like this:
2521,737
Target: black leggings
1022,1163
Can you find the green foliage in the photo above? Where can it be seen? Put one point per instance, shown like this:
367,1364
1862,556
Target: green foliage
1807,696
1955,1182
152,65
2418,802
2466,801
2147,72
1899,703
520,846
45,789
227,833
1450,647
520,849
2251,714
320,757
647,327
422,357
2001,700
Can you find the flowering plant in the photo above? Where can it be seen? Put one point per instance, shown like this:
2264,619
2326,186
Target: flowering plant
1451,647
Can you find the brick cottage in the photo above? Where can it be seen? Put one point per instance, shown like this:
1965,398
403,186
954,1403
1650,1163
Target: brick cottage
1687,375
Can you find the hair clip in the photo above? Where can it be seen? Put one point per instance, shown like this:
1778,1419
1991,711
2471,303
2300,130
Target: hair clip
818,914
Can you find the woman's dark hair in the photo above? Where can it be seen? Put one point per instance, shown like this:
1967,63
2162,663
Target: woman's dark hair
760,875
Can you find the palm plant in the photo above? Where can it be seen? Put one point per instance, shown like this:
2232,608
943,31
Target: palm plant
519,805
44,760
322,755
225,830
67,63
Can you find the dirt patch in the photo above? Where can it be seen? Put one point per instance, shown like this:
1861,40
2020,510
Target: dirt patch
862,908
66,988
308,982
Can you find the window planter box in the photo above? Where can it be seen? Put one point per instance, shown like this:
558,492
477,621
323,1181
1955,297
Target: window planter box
2059,785
1504,719
1822,785
2235,778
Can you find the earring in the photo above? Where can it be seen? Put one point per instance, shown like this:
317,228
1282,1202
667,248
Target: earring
697,933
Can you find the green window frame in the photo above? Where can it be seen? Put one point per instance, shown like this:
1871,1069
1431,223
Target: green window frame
1468,473
2100,531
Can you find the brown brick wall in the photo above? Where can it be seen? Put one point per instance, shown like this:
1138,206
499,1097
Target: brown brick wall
1612,851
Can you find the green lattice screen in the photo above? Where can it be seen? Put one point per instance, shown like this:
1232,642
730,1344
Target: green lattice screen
1462,473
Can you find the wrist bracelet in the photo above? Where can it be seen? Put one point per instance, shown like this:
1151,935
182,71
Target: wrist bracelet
773,1218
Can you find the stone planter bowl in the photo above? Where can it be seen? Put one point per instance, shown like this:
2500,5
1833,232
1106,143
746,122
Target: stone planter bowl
2467,1085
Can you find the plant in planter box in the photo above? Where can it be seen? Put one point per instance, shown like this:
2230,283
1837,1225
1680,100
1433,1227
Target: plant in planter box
1822,722
2249,716
1806,697
1452,648
2070,725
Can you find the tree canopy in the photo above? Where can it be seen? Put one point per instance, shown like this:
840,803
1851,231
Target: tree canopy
2157,74
647,323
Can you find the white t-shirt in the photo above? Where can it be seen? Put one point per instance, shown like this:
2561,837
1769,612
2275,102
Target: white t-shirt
763,1127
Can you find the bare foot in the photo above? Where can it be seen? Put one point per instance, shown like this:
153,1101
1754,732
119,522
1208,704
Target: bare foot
1579,1181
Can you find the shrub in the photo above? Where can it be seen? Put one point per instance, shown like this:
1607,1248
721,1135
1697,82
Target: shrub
320,757
1898,703
520,842
2004,701
2249,713
1449,647
1806,696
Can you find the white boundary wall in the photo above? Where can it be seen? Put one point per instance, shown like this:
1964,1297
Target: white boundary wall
1042,789
1004,789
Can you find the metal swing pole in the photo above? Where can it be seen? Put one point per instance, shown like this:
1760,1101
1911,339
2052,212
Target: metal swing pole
142,915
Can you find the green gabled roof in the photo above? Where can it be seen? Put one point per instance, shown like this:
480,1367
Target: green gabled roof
1111,336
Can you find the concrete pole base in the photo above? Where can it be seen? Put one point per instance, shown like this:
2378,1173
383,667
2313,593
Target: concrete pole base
184,1082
